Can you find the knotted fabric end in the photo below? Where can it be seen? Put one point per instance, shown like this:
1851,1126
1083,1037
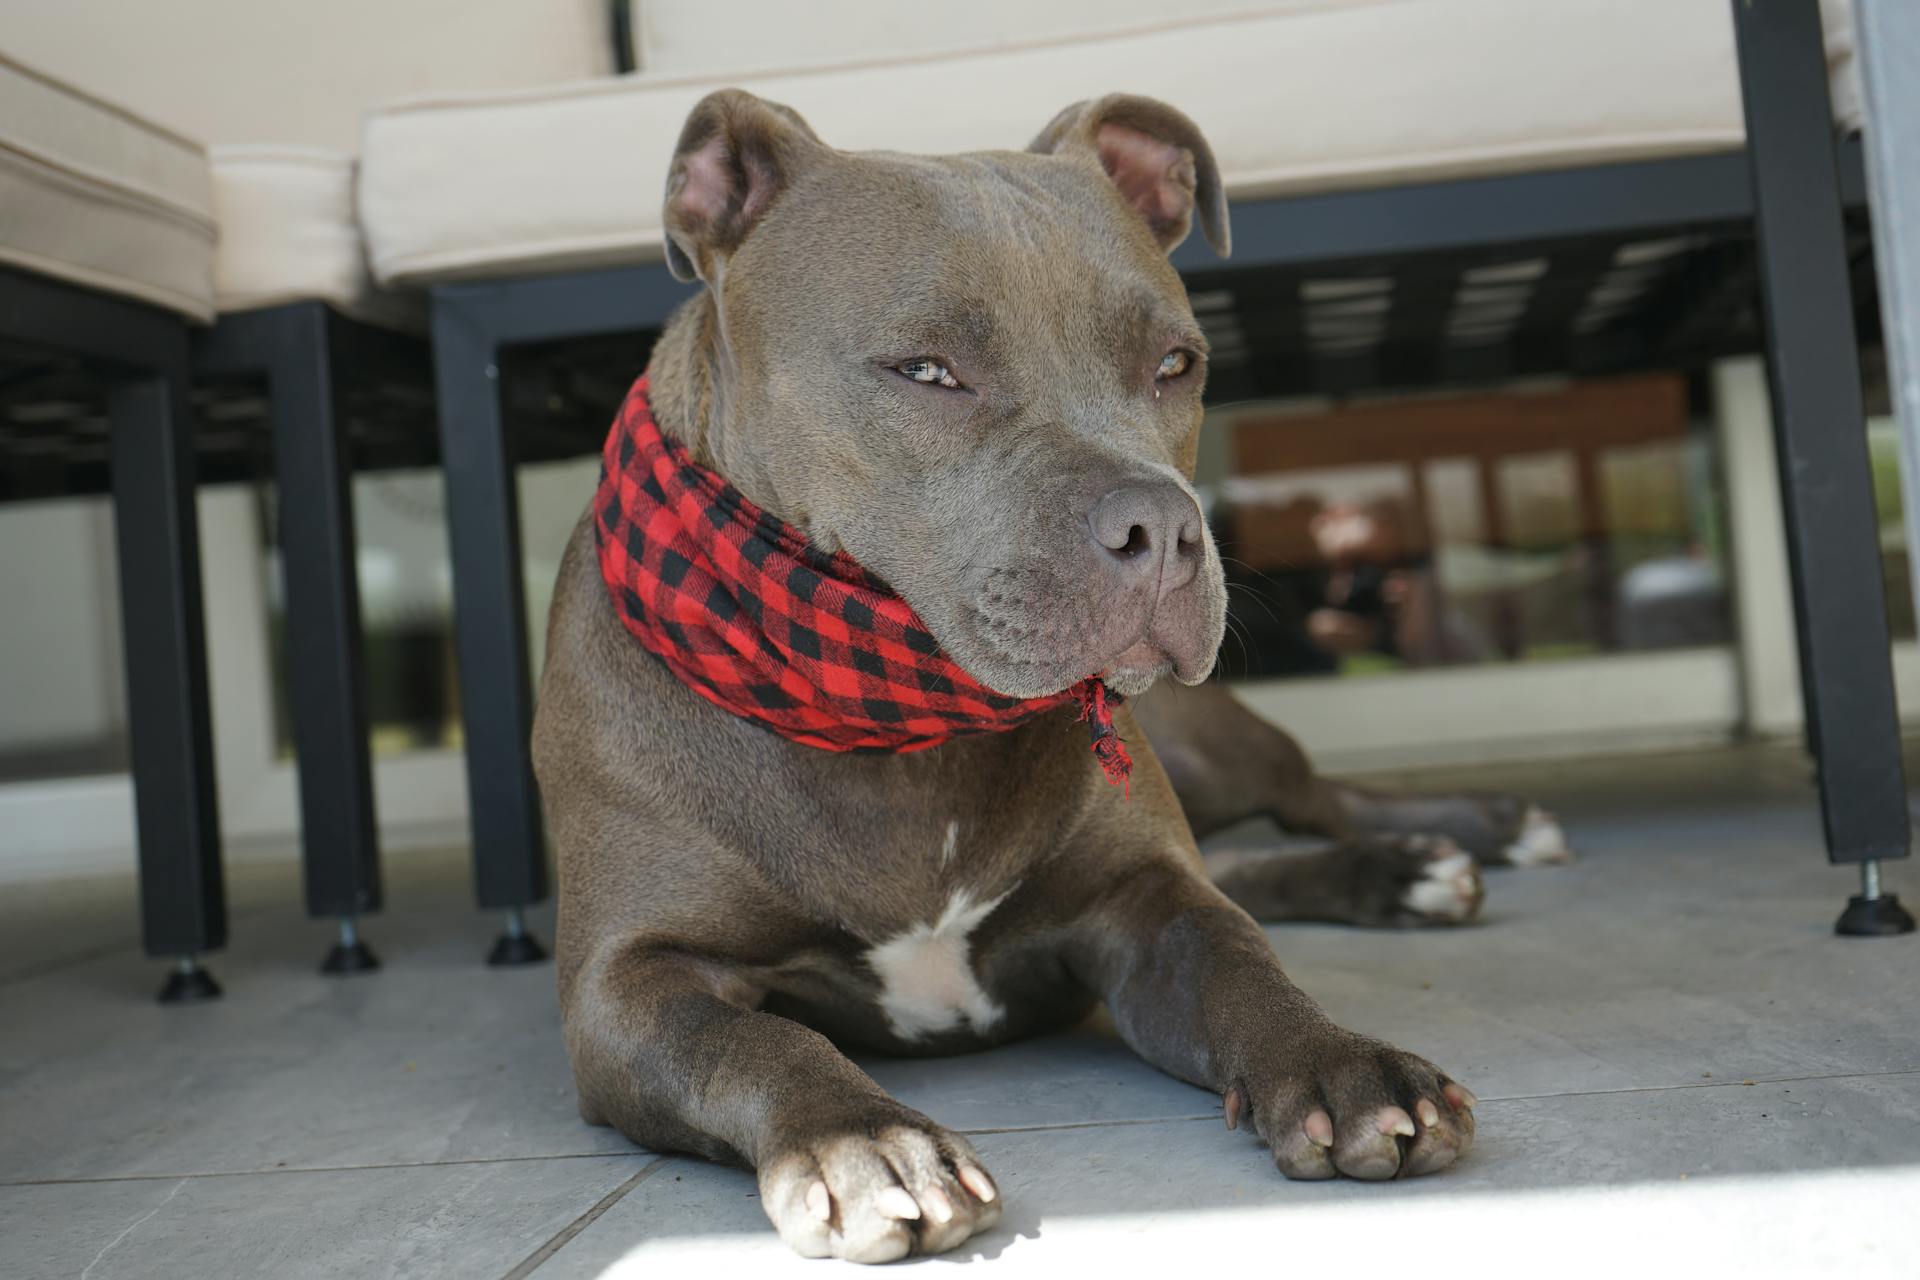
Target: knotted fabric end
1096,709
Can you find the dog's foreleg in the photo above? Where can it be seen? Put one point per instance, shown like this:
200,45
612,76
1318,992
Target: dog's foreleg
1196,990
1378,881
672,1052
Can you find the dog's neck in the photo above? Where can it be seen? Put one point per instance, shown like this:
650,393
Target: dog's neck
691,387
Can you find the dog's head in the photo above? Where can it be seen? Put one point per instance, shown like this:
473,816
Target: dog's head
978,374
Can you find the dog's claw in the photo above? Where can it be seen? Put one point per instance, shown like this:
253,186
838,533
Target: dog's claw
1459,1096
1236,1102
819,1204
1319,1129
976,1181
896,1202
1429,1115
1395,1121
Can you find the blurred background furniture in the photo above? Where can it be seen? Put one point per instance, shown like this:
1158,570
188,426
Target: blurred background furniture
1429,197
107,257
1497,188
305,366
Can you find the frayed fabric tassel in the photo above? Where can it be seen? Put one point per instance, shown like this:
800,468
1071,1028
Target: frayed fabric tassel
1096,709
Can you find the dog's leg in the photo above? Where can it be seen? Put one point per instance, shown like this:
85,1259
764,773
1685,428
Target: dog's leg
671,1052
1196,990
1380,881
1500,830
1227,765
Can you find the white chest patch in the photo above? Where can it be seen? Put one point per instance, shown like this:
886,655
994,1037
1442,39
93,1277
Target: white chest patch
926,973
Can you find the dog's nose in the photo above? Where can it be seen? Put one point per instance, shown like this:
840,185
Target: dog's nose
1151,529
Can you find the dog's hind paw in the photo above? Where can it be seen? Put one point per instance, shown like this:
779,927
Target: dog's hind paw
1446,888
1540,843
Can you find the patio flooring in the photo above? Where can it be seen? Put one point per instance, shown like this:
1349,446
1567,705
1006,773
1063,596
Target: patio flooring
1681,1069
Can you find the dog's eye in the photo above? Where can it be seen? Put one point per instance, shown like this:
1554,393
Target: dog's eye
931,372
1172,365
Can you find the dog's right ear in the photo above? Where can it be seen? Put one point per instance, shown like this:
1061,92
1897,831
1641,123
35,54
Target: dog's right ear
736,155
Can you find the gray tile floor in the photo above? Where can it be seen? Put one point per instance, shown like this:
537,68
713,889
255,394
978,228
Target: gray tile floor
1680,1068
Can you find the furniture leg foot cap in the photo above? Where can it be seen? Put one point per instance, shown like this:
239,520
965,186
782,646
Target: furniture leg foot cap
1880,917
189,987
343,959
516,948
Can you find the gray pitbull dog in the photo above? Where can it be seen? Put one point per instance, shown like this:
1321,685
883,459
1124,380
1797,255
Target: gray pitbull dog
978,375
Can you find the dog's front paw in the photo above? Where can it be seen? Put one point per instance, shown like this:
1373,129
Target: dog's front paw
875,1185
1355,1106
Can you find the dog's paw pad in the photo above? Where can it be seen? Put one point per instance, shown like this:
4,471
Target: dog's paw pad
1540,843
1448,890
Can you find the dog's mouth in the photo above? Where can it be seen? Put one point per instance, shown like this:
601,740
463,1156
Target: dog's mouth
1034,648
1137,668
1034,625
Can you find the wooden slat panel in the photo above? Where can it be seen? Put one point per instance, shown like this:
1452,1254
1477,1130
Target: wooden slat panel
1581,416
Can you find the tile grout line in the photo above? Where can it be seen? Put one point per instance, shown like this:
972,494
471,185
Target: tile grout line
1514,1097
1058,1126
1728,1083
637,1152
1062,1126
562,1238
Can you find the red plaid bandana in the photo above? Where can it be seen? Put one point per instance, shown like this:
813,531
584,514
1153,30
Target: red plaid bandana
760,623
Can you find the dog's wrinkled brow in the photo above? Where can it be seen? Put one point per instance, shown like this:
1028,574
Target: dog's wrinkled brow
1152,320
958,326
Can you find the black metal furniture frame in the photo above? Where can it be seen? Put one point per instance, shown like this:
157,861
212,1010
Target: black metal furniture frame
1787,182
142,351
471,325
1833,540
303,350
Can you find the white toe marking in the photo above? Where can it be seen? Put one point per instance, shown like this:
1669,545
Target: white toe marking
952,842
1541,841
926,973
1447,891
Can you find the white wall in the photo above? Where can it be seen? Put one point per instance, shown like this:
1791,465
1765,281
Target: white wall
60,683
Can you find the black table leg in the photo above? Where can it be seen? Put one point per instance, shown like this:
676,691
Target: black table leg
326,676
182,895
1820,428
496,698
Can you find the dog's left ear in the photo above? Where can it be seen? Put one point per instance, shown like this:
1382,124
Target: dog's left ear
1158,159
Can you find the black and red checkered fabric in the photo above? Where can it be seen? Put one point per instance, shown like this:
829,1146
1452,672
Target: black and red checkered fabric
761,623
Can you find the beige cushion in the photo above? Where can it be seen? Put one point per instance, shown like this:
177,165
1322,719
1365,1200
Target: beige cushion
735,36
1843,68
731,37
93,194
300,71
1293,100
278,87
288,234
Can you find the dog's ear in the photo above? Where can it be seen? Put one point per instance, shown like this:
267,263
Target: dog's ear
1157,157
735,156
